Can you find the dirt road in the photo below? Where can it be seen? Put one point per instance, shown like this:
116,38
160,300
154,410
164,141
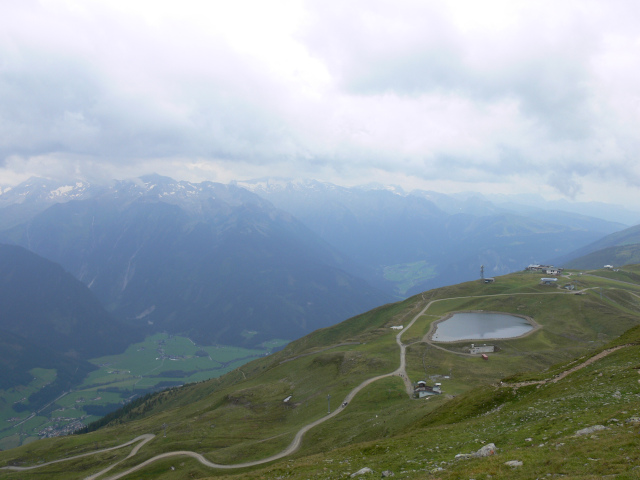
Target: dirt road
142,439
297,441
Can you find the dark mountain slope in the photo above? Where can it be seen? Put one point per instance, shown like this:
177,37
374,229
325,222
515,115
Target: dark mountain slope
371,226
50,320
18,356
615,256
627,237
48,307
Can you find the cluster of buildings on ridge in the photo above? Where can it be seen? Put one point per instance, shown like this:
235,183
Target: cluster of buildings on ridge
546,269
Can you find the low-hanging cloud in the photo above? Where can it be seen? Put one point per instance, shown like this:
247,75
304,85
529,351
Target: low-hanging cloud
501,94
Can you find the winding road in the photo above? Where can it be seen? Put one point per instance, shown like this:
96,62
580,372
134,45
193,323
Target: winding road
297,441
142,439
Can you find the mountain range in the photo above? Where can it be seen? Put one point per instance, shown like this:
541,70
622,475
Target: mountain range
187,257
250,261
414,241
208,260
617,249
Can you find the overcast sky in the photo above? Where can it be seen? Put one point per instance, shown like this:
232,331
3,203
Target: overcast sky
492,96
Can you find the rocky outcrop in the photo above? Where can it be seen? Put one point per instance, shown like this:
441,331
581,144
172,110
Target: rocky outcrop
590,430
362,471
486,451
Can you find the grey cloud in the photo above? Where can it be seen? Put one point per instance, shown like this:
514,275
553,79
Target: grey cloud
417,49
55,104
406,92
550,88
40,102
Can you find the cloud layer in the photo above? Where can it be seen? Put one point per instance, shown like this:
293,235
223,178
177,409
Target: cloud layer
515,95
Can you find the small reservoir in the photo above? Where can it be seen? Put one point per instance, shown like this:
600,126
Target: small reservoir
480,326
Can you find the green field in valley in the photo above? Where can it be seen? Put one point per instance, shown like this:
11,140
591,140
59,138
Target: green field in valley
160,361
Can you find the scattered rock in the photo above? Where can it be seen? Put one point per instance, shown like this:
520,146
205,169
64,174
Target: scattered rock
362,471
513,463
528,439
388,473
589,430
634,420
486,451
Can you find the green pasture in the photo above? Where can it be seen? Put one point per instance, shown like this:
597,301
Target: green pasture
165,358
159,361
13,396
535,425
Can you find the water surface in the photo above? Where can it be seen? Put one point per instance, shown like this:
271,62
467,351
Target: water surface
479,326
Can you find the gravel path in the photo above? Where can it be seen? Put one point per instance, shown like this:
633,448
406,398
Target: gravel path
142,439
297,441
559,377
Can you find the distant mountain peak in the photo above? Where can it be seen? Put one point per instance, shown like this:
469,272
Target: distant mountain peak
395,189
43,189
279,184
154,178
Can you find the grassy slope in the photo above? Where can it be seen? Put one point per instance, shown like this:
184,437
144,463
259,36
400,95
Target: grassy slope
241,416
536,425
618,255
